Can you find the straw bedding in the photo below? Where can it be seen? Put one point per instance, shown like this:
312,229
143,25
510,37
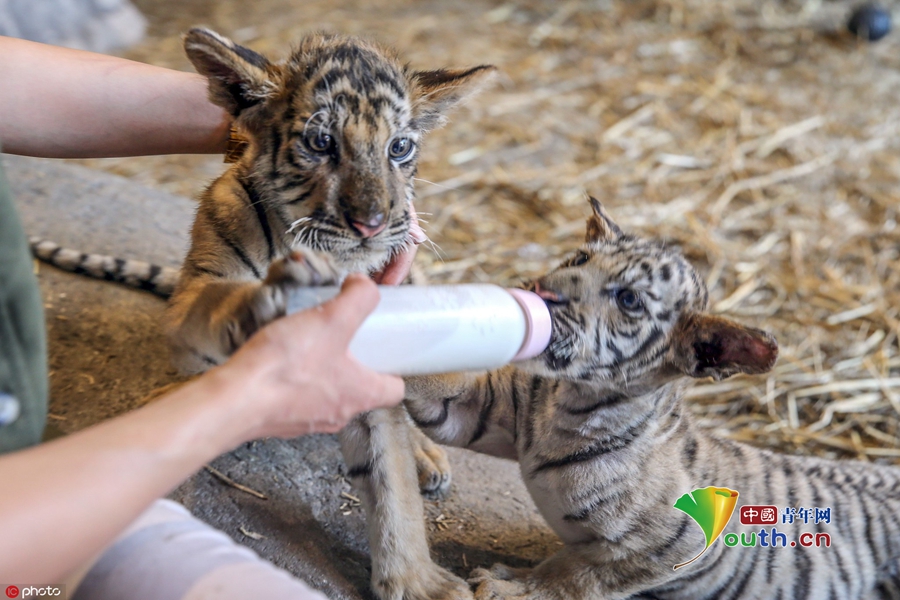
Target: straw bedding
757,135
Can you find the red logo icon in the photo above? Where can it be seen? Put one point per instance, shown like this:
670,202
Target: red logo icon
754,514
12,592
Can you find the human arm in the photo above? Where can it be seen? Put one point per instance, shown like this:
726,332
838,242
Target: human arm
62,103
65,500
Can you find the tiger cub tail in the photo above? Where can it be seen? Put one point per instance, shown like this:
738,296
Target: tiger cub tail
133,273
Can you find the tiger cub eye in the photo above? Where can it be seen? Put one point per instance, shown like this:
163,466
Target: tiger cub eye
401,148
580,259
629,300
319,142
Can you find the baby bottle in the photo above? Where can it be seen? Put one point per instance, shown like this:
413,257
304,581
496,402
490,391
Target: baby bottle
419,330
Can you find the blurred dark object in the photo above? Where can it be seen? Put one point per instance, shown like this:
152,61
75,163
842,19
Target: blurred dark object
870,22
97,25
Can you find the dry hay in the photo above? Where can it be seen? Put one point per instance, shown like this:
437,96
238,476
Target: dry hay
754,134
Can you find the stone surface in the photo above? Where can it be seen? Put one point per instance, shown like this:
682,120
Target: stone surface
106,354
106,348
97,25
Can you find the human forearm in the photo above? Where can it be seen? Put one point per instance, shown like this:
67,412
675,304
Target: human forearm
62,103
66,500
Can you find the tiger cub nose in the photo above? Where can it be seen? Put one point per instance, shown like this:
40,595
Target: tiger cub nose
549,296
369,228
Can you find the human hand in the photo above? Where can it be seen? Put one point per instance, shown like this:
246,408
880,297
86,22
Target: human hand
296,375
398,268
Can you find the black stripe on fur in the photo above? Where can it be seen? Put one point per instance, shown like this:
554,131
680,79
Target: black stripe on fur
260,210
598,448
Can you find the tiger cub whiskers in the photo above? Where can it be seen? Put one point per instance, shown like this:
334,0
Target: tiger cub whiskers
606,445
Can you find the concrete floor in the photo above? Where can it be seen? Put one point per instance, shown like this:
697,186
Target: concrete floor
107,353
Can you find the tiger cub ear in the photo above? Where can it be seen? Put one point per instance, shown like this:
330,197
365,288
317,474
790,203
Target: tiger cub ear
239,78
436,92
708,346
600,226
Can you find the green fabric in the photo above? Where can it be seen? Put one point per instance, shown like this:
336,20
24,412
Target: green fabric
23,343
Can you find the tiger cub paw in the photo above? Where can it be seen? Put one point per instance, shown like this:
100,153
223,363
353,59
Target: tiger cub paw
303,268
430,583
268,301
263,304
450,587
503,583
432,466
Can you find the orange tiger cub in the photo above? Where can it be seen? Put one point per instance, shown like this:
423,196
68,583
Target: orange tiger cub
334,133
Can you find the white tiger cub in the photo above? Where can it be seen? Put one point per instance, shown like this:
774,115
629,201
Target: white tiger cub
606,446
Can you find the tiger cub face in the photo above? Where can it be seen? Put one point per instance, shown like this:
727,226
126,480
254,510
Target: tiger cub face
630,312
334,135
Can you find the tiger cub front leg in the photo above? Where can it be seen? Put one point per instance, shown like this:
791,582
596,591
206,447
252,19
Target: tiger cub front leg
379,455
209,318
466,409
432,465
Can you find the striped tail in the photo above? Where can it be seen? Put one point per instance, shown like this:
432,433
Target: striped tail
133,273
